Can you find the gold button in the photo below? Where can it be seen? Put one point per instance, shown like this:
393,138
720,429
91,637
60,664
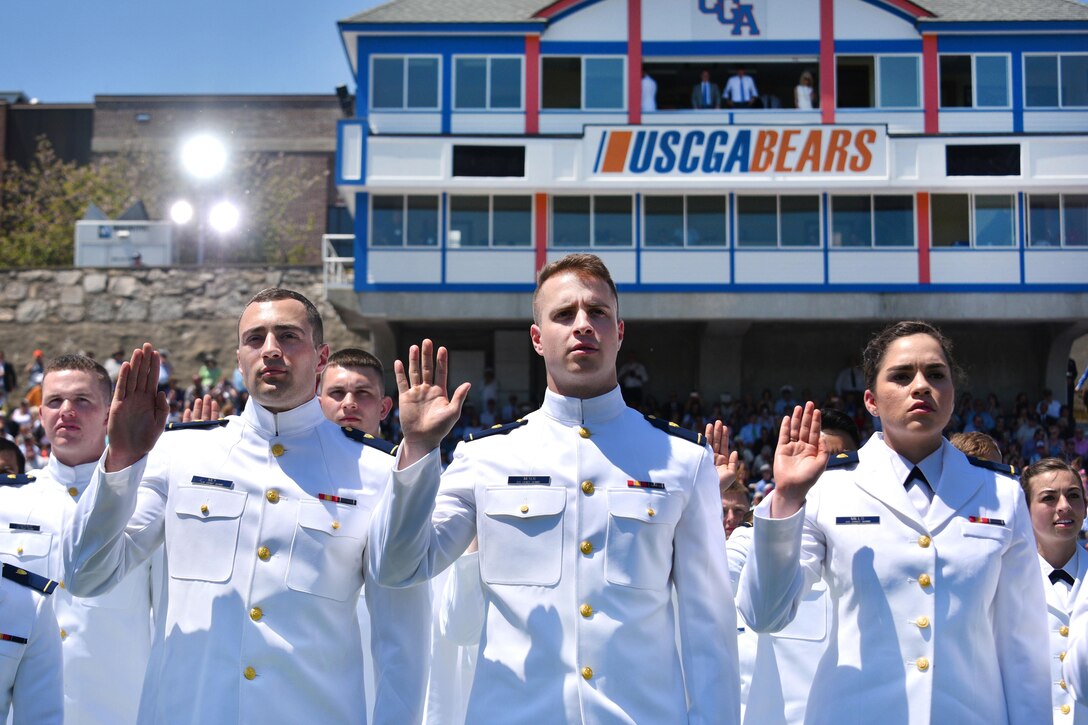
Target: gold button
922,664
922,622
587,673
62,587
524,508
1065,709
273,495
277,449
584,432
586,610
924,541
1061,684
924,580
335,525
586,547
204,509
255,614
19,550
64,634
249,673
73,491
264,554
651,513
1061,657
1064,631
587,488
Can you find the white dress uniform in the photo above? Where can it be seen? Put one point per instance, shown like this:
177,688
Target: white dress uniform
588,516
778,668
30,666
1060,597
265,524
455,640
937,619
92,629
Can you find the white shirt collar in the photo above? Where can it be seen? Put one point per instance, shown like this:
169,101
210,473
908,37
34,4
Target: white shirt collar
932,465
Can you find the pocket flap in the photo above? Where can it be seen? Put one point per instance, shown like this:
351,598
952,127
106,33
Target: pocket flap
209,503
333,519
24,544
651,508
524,502
985,531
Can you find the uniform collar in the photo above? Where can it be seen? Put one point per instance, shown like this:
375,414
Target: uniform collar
77,477
576,411
1072,567
289,422
932,466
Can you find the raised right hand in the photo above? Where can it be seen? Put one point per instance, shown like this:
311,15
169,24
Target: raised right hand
138,411
427,414
799,460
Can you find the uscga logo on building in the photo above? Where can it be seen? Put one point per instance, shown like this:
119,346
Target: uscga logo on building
820,151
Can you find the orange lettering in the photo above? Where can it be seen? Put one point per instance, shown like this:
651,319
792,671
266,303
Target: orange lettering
764,153
836,150
864,158
785,148
810,152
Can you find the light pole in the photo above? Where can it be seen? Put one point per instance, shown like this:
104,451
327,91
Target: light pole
203,157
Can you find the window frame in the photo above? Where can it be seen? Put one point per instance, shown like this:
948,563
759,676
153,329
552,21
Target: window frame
646,246
491,223
972,222
404,224
624,103
1062,243
873,245
487,108
878,81
974,82
820,241
404,107
592,242
1058,62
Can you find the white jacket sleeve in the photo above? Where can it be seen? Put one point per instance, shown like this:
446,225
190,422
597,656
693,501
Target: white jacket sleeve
38,693
461,611
400,642
707,619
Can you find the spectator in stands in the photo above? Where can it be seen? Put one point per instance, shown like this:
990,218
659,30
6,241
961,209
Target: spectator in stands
977,444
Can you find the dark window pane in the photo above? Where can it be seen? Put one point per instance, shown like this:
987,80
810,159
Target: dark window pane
423,221
664,221
982,159
757,221
1041,81
505,83
994,221
604,83
471,83
387,221
488,160
1044,223
706,221
468,221
612,221
1074,80
894,221
1076,219
512,223
851,221
955,81
561,83
951,220
422,83
855,81
570,221
800,221
388,83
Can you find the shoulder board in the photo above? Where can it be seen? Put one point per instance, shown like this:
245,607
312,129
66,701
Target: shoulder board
16,479
368,440
29,579
198,425
674,430
845,459
499,429
1003,468
745,524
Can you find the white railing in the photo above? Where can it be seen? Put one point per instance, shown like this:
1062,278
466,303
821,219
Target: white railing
339,271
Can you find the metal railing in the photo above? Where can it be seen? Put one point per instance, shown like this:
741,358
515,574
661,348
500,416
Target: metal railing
339,270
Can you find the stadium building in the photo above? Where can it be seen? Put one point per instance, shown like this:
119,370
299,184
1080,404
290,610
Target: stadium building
940,173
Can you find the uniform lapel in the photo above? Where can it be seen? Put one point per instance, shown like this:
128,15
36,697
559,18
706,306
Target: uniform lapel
873,478
1054,602
960,481
1082,571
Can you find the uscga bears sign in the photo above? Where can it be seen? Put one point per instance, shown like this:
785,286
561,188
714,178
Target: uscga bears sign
854,152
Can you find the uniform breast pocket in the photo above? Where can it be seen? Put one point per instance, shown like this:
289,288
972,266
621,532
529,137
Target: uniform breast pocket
202,535
981,535
327,552
29,550
521,536
638,544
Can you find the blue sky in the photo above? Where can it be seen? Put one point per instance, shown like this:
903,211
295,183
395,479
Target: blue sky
61,51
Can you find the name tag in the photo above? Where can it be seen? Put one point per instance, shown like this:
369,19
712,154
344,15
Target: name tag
529,480
984,520
205,481
24,527
856,520
645,484
337,499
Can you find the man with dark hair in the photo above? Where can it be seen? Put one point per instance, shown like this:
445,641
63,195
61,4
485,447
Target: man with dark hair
114,626
352,392
839,431
265,519
589,516
12,460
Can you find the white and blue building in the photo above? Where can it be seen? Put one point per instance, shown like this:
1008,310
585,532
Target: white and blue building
941,172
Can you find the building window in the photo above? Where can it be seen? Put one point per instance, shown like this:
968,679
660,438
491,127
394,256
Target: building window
593,83
1056,81
399,221
883,81
1058,220
872,221
491,221
404,83
778,221
684,221
973,220
487,83
974,81
592,221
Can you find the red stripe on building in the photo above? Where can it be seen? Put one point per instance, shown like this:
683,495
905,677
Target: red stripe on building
541,229
922,204
909,8
532,84
558,7
930,83
827,61
634,62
